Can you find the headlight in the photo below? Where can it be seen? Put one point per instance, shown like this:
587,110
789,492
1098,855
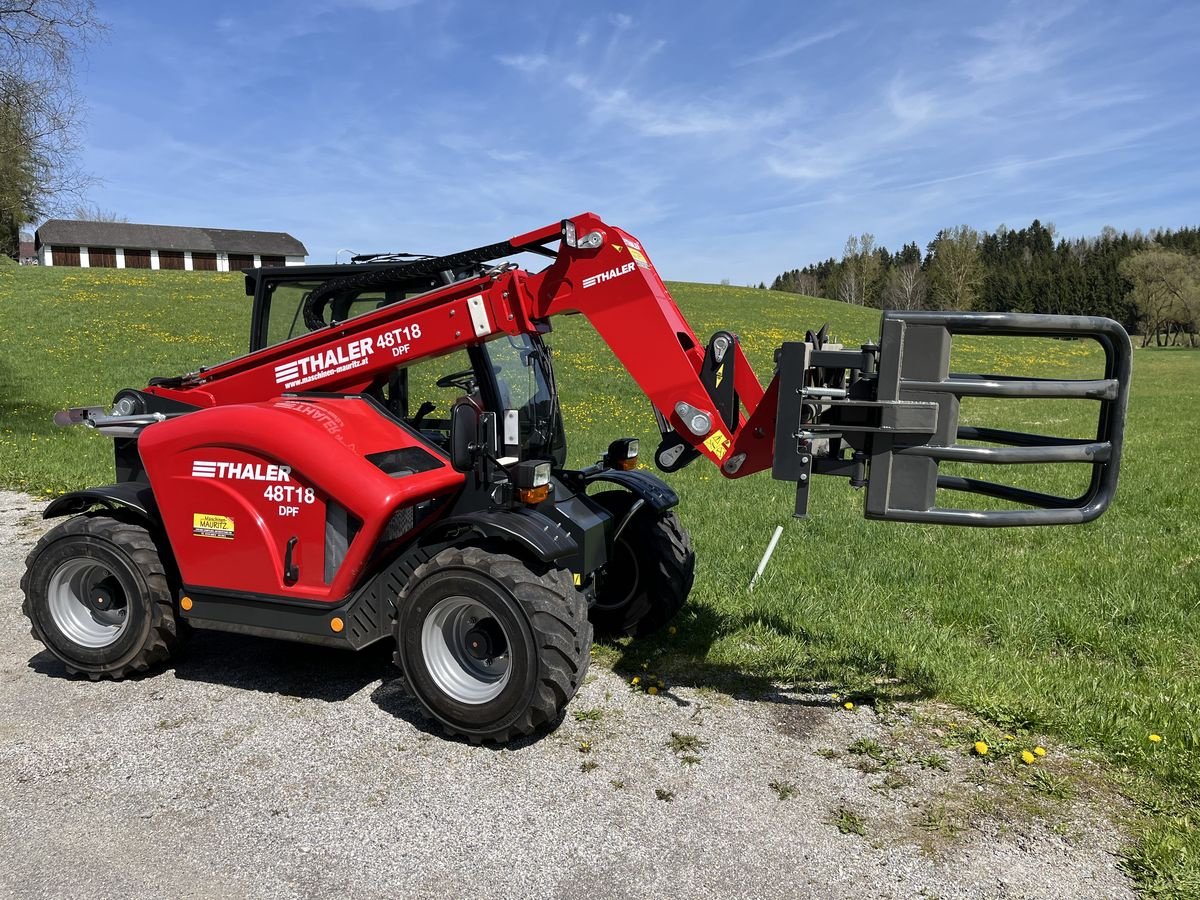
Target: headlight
532,481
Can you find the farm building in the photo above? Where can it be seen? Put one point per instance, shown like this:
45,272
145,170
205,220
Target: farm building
122,245
26,254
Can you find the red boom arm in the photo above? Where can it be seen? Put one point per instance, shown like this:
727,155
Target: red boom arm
600,271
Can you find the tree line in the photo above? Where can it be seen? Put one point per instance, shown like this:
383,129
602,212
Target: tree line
1148,281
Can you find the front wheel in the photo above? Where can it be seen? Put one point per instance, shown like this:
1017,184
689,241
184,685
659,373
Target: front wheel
97,596
490,647
649,572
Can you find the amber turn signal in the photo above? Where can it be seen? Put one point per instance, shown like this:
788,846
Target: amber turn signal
623,454
185,603
336,625
533,495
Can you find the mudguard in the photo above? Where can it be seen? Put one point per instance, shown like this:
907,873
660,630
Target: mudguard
645,485
531,530
135,496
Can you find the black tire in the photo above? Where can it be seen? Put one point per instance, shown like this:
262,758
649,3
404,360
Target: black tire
532,624
649,574
96,554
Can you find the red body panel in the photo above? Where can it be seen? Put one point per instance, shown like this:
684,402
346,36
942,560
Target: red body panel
260,474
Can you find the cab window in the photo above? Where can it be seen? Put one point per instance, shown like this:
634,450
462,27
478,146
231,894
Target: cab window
285,307
422,393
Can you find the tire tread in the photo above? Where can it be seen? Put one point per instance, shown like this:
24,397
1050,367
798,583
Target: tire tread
137,544
557,613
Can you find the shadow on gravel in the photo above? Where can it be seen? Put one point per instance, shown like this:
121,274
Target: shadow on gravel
391,697
291,670
280,667
261,664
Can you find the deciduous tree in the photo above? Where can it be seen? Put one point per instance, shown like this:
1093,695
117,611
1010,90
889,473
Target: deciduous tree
39,108
906,287
955,270
1166,292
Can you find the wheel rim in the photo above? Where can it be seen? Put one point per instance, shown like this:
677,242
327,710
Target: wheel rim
87,603
621,578
466,650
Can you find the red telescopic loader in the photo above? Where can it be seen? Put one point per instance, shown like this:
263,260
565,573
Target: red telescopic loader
388,462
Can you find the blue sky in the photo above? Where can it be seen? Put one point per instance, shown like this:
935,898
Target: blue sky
735,140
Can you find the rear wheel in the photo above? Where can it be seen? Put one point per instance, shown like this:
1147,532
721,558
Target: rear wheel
96,594
649,573
490,647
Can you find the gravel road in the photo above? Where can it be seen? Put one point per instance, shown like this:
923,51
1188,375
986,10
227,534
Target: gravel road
252,768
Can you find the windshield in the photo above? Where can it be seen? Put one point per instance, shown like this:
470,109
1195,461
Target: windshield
526,383
286,299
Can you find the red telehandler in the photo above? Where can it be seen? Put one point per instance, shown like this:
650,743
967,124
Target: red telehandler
388,462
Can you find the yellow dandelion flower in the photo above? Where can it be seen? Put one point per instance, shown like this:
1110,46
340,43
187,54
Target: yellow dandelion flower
1040,751
635,680
652,690
848,705
672,630
1009,737
1156,738
981,748
1028,758
835,696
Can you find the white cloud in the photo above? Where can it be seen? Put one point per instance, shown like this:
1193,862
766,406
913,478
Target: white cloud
1015,46
525,62
911,108
796,43
508,156
667,115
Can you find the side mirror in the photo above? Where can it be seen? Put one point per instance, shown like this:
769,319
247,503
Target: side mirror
464,436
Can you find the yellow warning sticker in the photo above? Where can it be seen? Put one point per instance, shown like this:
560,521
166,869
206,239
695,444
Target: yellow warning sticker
578,579
717,444
720,374
639,257
617,247
210,526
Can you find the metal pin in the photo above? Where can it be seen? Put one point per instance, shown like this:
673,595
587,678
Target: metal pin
766,556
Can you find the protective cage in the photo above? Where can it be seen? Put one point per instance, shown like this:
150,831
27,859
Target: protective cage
914,371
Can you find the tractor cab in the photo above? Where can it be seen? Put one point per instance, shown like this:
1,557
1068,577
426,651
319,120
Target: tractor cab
510,376
283,307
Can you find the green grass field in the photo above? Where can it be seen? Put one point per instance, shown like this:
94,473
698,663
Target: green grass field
1087,634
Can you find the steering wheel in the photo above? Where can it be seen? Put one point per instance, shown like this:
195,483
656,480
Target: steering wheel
425,409
463,381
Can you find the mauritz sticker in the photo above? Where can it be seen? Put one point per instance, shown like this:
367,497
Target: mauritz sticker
212,526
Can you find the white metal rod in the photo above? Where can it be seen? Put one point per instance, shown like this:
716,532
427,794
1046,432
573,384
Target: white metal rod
766,556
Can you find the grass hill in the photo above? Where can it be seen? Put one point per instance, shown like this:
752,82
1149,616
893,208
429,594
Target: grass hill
1086,634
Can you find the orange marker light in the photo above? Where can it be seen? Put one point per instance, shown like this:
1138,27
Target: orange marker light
533,494
185,603
337,624
623,454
